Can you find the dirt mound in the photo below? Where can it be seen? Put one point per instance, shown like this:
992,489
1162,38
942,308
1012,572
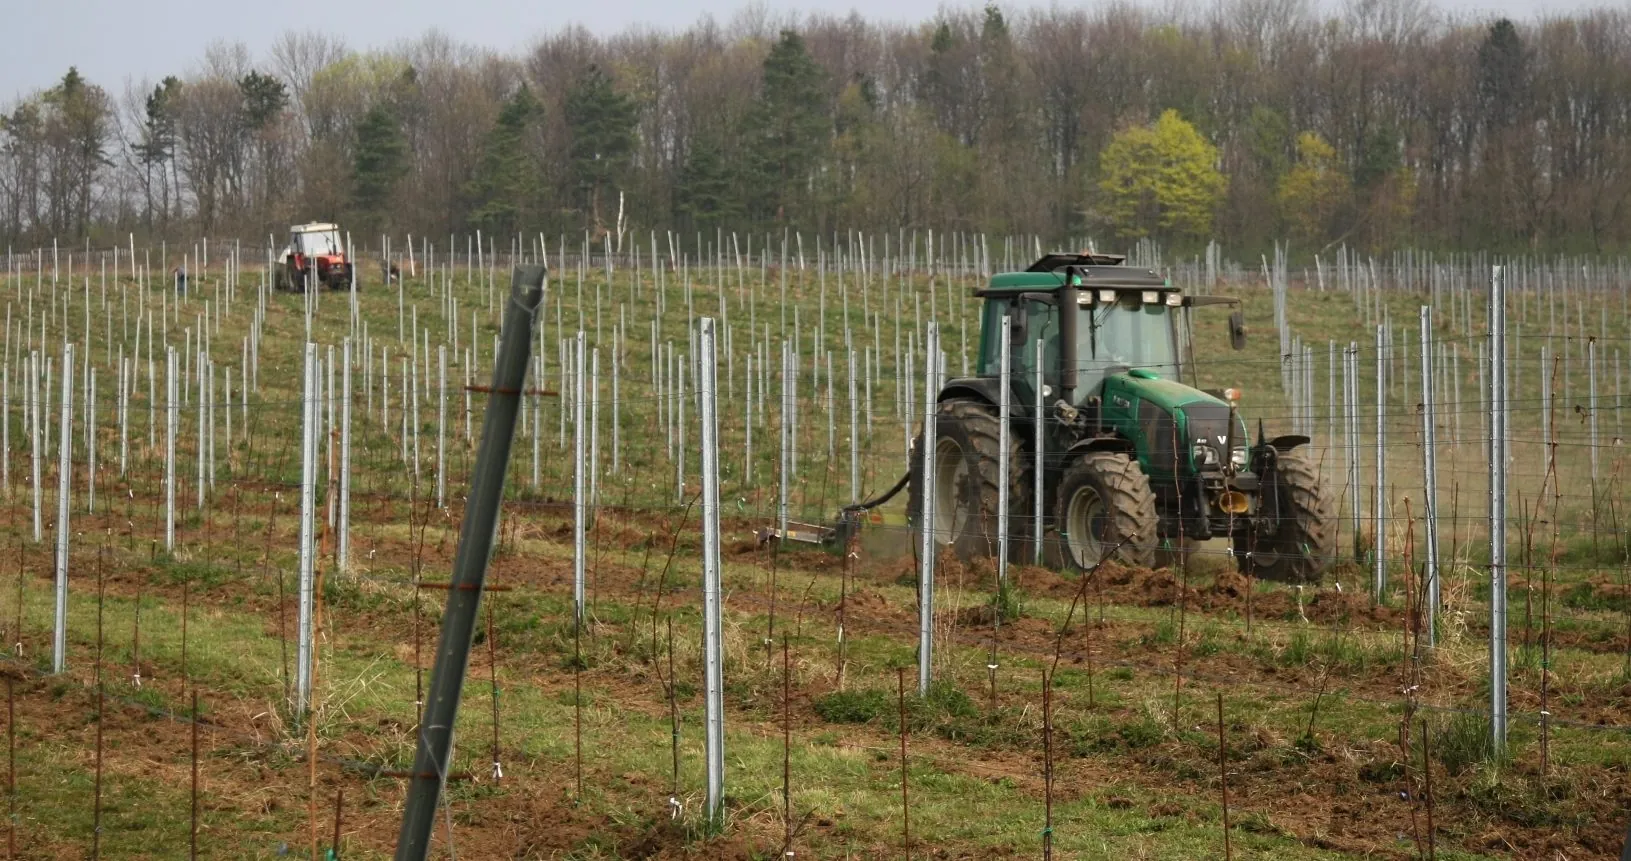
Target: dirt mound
744,547
1045,582
1231,584
866,601
979,615
1222,591
1329,605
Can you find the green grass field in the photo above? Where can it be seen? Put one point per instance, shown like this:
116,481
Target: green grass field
1332,726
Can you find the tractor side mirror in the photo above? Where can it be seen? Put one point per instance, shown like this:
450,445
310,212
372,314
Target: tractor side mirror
1237,330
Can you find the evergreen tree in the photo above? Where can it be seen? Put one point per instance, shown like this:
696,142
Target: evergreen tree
506,188
77,128
1379,156
938,83
999,80
788,128
601,122
158,142
378,163
1502,74
706,196
264,98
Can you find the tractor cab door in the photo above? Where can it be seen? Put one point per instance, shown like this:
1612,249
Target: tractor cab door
1031,323
1041,329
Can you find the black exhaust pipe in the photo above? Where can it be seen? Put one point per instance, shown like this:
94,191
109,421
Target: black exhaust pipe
1068,310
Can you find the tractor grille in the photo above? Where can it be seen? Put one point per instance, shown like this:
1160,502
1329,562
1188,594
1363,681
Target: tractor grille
1165,448
1208,424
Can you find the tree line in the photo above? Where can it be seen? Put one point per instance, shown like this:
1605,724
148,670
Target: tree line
1375,124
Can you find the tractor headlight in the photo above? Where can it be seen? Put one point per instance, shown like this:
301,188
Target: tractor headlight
1205,455
1239,457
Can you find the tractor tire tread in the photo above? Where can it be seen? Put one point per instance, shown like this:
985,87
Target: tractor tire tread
1302,548
979,423
1129,499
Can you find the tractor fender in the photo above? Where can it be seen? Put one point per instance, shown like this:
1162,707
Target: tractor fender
1103,443
987,391
1287,442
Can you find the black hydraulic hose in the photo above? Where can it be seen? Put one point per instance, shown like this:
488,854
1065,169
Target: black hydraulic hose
880,500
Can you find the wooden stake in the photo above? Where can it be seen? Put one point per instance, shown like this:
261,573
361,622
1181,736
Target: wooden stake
11,770
1427,776
787,752
1223,779
193,830
1047,765
96,808
492,678
339,806
674,723
905,803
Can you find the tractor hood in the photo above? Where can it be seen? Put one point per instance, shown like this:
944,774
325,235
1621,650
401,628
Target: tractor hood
1177,430
1149,387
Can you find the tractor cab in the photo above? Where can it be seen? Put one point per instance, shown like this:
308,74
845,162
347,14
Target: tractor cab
316,254
1123,319
315,240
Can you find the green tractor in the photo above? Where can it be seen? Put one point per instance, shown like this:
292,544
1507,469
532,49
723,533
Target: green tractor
1138,464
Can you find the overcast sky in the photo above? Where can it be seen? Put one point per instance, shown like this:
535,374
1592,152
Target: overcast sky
111,40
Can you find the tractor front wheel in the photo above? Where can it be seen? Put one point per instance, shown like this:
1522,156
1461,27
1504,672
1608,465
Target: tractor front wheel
966,473
1291,541
1105,509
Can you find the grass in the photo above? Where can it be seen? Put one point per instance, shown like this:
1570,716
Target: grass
1136,762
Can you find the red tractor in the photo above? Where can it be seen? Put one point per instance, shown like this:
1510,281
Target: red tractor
316,254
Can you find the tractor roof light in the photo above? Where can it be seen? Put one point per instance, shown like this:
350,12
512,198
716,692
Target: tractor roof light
1174,300
1233,394
1151,297
1107,296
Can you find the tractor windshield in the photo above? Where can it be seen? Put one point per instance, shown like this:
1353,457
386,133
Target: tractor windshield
317,243
1124,335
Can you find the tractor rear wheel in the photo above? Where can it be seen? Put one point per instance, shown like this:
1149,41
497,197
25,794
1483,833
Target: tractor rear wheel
966,484
1105,508
1295,543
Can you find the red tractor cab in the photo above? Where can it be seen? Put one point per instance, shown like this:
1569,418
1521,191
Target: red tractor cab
315,255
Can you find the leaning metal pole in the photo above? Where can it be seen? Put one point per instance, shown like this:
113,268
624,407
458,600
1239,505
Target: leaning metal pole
1379,535
1002,454
713,642
1037,472
59,639
309,411
925,601
1429,443
1497,508
476,536
580,494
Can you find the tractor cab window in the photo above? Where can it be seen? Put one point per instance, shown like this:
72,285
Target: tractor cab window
316,243
1042,324
1031,321
1127,334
